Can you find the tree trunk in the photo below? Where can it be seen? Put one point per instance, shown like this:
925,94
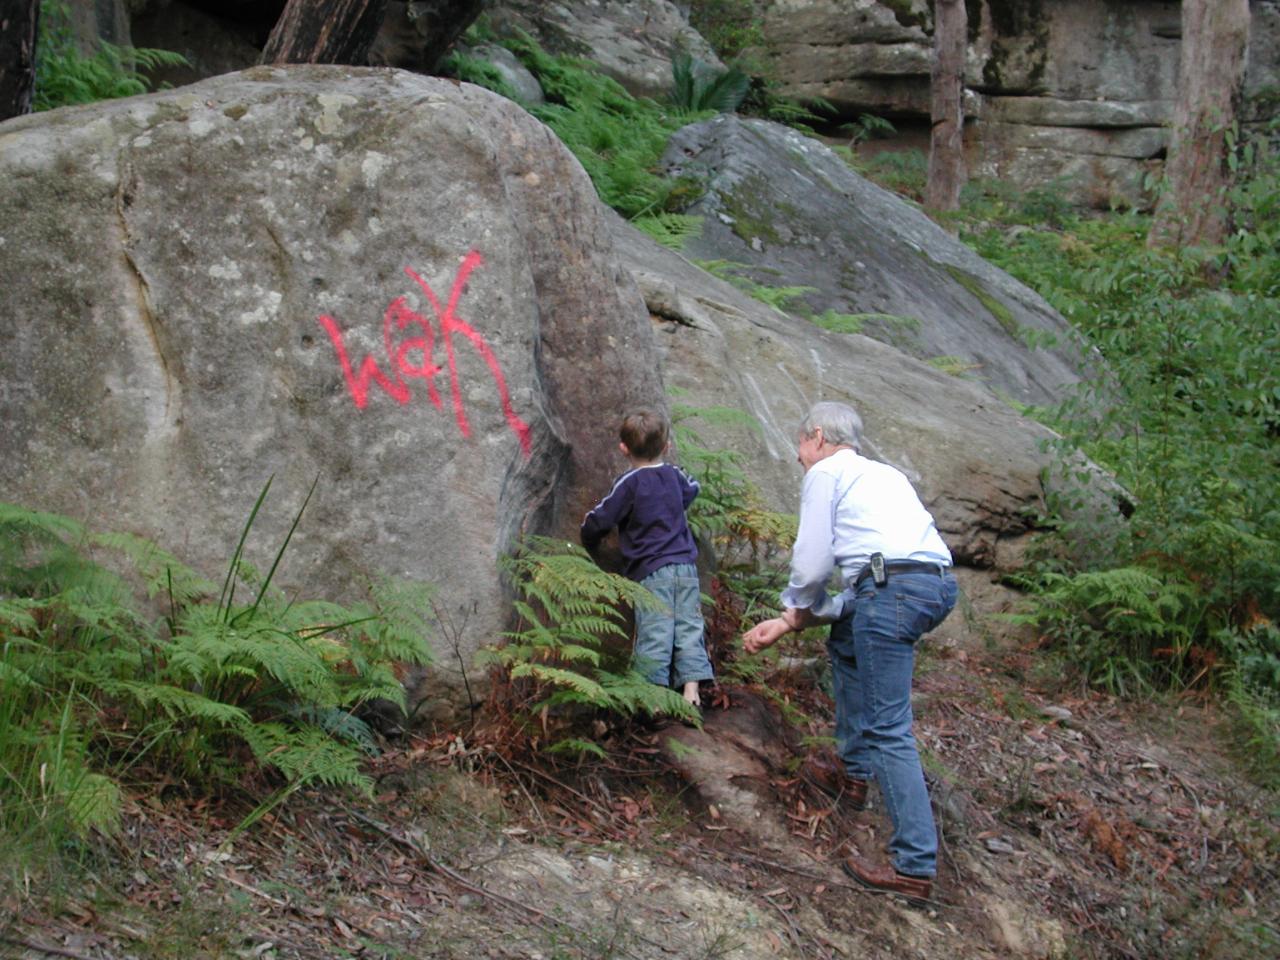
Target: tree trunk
19,20
442,22
1215,40
946,139
325,31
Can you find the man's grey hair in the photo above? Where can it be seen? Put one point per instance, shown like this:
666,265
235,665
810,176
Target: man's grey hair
839,422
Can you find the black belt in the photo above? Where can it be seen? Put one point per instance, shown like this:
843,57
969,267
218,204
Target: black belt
901,566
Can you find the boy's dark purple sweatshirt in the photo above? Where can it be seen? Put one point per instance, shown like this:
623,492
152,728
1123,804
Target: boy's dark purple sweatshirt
647,505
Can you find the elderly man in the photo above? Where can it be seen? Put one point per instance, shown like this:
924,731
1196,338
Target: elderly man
865,518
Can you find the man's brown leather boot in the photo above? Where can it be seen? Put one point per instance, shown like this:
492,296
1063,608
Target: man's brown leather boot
915,889
829,776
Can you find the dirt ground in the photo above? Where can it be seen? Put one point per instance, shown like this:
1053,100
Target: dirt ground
1073,825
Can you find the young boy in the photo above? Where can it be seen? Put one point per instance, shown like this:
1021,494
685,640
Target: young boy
647,505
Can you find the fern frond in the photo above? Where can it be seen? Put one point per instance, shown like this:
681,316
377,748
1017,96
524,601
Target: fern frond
672,230
306,756
575,653
586,688
14,679
161,572
178,703
404,627
64,76
699,88
93,803
339,724
16,616
19,523
578,748
632,693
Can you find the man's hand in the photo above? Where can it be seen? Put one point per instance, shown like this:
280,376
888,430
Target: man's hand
764,634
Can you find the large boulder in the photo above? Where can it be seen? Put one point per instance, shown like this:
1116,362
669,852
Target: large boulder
976,462
789,212
400,285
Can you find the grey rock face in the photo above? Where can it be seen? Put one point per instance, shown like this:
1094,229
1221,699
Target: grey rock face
398,284
525,85
632,41
795,214
975,462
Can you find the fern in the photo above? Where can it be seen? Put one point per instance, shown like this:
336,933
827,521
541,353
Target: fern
856,322
161,572
567,656
1127,629
775,297
618,139
698,88
398,633
578,747
307,754
955,366
1255,716
729,512
91,685
479,71
672,230
64,76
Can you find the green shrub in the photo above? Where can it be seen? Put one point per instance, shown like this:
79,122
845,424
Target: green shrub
697,88
93,685
1127,629
64,76
568,656
730,26
1185,413
617,138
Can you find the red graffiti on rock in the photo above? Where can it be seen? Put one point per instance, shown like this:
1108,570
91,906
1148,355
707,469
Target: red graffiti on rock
398,317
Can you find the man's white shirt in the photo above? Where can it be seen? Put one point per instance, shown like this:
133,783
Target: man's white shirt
850,508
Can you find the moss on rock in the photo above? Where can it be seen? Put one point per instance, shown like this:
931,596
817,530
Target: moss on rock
748,222
1004,316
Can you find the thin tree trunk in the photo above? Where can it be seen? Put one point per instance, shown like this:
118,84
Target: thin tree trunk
19,22
325,31
946,140
1215,41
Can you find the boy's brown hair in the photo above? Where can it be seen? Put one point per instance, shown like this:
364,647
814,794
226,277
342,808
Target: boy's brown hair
644,434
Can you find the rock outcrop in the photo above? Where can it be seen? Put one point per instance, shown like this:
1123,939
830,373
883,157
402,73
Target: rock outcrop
399,285
1073,91
1076,94
975,461
788,212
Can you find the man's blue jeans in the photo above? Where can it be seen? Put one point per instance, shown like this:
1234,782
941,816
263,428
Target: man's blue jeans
872,659
669,647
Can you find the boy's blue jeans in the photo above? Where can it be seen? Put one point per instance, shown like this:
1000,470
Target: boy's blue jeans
669,649
872,659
